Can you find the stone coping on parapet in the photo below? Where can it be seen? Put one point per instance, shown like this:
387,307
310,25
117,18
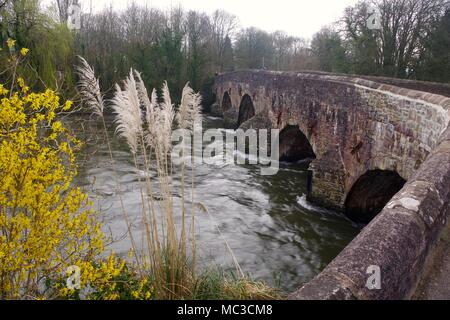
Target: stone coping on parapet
440,96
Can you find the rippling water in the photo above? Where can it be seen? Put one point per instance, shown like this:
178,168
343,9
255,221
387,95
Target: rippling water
276,235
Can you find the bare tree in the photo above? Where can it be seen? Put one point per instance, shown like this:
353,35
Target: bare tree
224,25
3,3
198,28
63,7
391,50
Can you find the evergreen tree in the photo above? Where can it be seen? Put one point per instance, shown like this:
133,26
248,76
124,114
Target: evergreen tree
434,64
327,47
228,55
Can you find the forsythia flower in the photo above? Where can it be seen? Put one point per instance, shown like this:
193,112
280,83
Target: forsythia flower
3,91
47,224
10,43
24,51
22,85
67,105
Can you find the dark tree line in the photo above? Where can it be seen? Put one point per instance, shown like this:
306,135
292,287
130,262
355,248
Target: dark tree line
184,45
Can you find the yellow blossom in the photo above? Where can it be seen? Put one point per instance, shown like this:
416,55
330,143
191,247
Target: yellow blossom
22,85
10,43
3,91
24,51
67,105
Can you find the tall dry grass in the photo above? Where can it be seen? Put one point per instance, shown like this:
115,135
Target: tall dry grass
146,124
168,254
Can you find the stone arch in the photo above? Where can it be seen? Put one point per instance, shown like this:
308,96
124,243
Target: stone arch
246,110
370,193
294,145
226,102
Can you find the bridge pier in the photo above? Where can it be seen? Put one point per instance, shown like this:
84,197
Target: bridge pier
326,190
327,185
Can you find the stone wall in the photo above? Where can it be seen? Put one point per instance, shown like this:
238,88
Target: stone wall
355,125
425,86
398,240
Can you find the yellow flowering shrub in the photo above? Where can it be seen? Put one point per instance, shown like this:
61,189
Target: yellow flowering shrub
109,279
46,223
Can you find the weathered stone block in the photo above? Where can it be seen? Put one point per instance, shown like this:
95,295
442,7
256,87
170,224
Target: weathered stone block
395,241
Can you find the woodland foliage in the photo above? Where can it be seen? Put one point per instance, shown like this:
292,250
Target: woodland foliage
185,45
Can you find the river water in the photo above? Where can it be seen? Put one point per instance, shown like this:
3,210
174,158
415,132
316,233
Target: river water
275,234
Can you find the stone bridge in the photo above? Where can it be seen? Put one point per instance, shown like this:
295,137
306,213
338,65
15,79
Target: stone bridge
370,139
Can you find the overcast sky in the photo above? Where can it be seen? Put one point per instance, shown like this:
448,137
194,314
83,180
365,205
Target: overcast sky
296,17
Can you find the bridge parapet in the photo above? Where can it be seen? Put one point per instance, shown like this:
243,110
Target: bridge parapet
354,125
398,240
357,127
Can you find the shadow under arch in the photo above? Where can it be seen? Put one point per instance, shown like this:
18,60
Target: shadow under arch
294,145
246,110
370,193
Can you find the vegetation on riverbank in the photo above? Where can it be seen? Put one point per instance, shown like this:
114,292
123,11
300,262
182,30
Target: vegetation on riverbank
146,123
49,230
186,45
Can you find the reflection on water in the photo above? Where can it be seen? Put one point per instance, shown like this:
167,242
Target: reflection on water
274,233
